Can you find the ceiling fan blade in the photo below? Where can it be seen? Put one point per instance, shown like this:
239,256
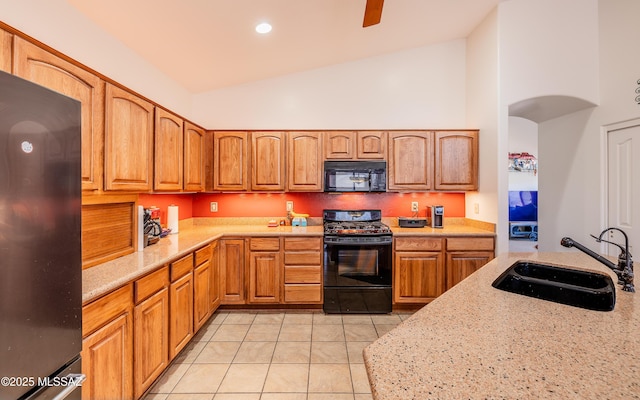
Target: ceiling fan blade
372,12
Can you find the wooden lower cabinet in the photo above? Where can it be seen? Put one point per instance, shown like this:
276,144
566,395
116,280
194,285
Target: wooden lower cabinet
107,346
232,263
264,270
201,287
465,256
150,329
214,285
418,276
180,306
425,267
302,270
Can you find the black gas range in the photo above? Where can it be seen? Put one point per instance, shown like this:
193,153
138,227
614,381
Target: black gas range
357,262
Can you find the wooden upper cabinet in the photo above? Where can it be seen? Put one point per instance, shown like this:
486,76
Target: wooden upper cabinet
339,145
168,164
128,141
410,160
267,161
456,160
371,145
40,66
360,145
5,51
304,161
230,161
193,177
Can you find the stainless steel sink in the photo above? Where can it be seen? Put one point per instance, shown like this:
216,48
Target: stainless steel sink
590,290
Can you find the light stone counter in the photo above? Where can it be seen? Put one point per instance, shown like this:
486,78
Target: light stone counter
451,227
103,278
478,342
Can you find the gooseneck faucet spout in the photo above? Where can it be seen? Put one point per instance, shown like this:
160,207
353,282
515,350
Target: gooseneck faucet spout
624,268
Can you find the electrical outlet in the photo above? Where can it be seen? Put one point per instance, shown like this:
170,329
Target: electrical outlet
214,206
414,206
476,208
289,205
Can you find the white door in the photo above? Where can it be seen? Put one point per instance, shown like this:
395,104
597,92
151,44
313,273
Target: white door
623,174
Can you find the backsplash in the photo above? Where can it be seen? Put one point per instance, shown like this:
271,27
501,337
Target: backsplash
273,204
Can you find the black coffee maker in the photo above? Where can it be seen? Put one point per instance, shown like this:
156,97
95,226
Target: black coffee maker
437,216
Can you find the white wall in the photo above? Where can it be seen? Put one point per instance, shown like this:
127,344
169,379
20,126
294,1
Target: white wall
571,165
60,26
548,47
482,112
417,88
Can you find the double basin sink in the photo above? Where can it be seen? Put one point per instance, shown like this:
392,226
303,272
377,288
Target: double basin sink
589,290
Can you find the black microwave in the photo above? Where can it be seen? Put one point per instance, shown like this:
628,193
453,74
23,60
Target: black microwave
355,176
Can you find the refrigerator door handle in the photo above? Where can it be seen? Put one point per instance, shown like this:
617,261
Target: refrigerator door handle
76,382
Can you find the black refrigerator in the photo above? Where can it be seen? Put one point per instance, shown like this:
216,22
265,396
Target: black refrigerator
40,243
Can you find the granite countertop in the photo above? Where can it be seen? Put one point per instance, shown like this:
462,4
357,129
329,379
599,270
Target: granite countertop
103,278
451,227
478,342
197,232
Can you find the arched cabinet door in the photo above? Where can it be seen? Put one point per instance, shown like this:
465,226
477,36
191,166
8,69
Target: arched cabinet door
168,156
456,160
128,141
44,68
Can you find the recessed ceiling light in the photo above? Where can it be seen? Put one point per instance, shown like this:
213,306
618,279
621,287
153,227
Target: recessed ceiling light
263,28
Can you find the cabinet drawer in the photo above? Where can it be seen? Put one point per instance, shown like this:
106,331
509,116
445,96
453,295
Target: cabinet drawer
150,284
181,267
262,244
303,258
418,244
303,293
470,243
302,274
106,308
302,243
203,255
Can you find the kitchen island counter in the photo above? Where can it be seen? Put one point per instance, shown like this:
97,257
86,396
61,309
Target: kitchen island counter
476,341
106,277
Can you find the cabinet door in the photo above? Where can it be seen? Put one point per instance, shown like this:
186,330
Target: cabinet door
371,145
193,158
304,161
230,161
410,161
180,314
232,271
128,144
267,161
39,66
418,276
151,340
168,153
214,286
456,160
264,277
464,263
201,302
107,361
339,145
5,51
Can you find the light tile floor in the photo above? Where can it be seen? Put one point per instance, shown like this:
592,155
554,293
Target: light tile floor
247,355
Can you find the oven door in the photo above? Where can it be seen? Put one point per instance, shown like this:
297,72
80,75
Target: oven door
357,278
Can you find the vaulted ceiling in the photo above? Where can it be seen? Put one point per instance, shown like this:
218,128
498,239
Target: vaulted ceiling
209,44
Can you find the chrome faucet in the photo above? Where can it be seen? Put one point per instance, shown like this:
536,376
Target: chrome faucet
624,268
